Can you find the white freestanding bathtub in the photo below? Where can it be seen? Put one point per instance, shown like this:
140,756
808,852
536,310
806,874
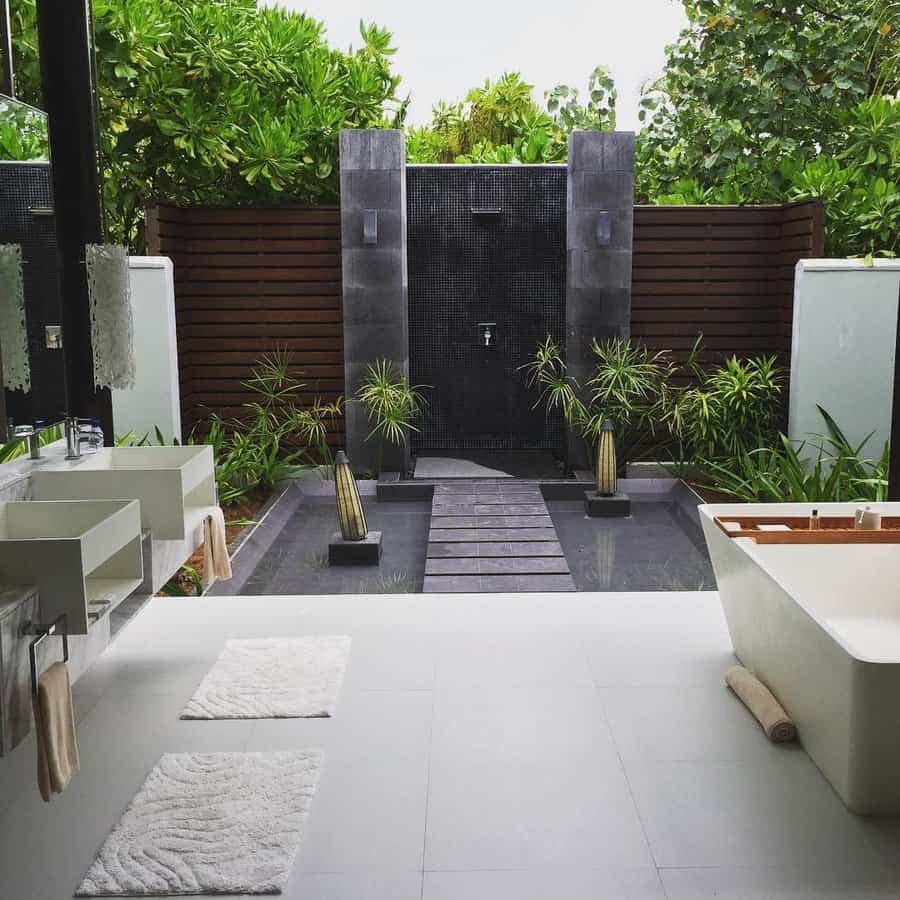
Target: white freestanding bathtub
820,626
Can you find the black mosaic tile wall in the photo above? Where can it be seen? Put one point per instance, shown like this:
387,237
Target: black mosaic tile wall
466,268
23,187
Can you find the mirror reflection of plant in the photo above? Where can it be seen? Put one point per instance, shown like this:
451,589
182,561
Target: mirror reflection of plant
392,405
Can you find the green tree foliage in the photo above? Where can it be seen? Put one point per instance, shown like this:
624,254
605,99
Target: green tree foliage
500,122
217,101
23,132
769,102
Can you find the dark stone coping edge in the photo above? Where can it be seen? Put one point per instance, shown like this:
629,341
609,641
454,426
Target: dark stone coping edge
256,540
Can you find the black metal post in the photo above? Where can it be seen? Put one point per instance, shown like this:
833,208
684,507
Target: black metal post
7,85
894,460
67,73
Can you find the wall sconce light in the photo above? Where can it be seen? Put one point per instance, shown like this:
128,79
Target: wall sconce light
604,228
354,544
370,226
607,474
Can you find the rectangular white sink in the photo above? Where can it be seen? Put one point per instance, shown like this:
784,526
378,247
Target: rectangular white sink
84,556
168,481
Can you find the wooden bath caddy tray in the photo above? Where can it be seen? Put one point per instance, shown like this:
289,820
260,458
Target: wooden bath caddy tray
832,530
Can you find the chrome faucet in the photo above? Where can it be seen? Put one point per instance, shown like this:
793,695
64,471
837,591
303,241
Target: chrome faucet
76,435
33,433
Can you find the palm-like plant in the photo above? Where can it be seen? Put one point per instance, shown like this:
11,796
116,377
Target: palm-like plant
392,405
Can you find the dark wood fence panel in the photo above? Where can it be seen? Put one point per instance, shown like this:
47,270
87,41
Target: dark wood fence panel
249,281
723,272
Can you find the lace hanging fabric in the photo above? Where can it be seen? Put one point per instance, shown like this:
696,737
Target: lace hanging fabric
112,319
13,330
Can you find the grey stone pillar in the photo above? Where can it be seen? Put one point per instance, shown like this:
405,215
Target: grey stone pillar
599,234
373,248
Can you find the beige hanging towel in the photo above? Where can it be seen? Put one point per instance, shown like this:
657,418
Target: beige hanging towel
54,719
216,564
761,702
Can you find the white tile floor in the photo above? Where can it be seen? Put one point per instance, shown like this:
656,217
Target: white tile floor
531,747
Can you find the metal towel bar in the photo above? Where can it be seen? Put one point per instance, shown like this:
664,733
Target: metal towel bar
56,627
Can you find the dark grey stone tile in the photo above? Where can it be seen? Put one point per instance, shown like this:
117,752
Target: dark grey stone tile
454,522
461,565
583,228
524,565
444,549
512,509
515,534
390,228
513,521
441,535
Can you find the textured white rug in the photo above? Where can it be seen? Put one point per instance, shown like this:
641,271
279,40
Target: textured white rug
209,823
272,678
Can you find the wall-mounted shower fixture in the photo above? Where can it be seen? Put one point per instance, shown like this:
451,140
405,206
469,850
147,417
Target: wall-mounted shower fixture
604,228
487,335
370,226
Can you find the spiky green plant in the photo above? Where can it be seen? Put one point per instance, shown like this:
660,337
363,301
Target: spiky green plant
392,406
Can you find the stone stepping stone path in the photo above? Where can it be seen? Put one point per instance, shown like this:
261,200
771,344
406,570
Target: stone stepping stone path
493,535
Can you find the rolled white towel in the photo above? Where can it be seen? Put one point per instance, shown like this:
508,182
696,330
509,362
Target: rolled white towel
216,564
770,714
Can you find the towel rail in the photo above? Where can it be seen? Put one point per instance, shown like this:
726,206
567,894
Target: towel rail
57,627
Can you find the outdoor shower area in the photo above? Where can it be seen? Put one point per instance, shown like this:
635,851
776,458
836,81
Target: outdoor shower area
454,274
486,255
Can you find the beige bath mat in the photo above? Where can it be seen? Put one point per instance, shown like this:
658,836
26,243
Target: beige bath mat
273,678
209,823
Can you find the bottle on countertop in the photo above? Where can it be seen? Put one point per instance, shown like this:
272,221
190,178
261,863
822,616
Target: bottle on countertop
815,523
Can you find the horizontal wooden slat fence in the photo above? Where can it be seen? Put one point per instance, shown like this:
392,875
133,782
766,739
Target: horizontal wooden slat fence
251,280
724,271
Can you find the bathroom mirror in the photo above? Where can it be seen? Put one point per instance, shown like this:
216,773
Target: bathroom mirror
33,368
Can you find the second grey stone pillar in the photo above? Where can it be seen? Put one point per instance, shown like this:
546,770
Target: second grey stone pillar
599,236
376,324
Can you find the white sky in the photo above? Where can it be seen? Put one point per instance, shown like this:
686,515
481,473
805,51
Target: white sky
445,49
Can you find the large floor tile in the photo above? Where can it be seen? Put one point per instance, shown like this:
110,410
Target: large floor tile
675,657
543,884
501,815
126,734
369,809
511,656
778,812
363,884
522,725
391,659
48,847
819,882
686,722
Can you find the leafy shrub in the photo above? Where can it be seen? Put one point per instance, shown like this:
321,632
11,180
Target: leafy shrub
828,468
391,404
722,411
219,101
766,103
501,123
